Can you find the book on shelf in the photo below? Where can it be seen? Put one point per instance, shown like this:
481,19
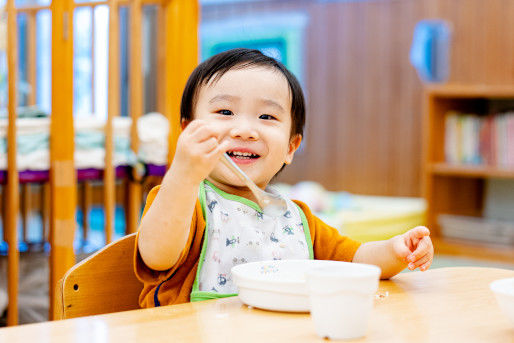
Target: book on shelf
472,139
483,230
499,199
451,147
486,145
510,140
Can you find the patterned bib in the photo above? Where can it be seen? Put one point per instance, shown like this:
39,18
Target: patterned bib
238,232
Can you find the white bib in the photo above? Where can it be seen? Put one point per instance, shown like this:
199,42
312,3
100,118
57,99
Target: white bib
237,232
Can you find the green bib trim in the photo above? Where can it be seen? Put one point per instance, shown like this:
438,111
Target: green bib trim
233,197
307,232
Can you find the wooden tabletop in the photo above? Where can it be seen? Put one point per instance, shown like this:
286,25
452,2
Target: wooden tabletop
440,305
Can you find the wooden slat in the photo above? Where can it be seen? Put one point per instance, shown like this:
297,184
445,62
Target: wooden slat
113,111
173,32
145,2
12,203
190,42
470,171
120,3
469,91
91,4
34,8
181,34
136,109
62,172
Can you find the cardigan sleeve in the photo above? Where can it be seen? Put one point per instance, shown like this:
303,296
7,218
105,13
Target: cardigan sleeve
327,242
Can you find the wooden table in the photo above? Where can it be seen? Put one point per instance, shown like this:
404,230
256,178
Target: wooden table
440,305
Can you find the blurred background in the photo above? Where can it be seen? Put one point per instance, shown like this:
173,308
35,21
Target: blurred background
410,119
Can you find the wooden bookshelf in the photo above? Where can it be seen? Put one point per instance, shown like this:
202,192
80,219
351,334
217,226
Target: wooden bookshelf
459,189
470,171
463,91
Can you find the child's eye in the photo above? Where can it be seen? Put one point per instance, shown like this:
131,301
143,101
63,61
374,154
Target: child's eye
267,117
225,112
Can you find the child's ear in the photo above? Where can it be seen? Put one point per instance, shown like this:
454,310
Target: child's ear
294,144
184,123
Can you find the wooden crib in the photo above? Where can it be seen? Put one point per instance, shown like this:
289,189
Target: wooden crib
177,56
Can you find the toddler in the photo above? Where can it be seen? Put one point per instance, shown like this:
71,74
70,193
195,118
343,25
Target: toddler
201,221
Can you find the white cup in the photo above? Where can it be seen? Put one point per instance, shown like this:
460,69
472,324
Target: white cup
341,298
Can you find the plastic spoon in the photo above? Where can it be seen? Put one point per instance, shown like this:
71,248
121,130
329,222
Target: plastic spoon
272,204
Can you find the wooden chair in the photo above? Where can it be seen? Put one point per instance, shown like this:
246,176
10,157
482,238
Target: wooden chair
102,283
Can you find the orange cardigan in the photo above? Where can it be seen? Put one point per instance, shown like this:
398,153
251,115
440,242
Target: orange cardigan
174,285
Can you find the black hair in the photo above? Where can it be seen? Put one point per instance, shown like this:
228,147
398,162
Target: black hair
216,66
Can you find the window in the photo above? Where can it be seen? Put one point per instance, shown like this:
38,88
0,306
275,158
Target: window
90,64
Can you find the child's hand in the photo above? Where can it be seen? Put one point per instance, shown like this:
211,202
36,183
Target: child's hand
198,151
415,248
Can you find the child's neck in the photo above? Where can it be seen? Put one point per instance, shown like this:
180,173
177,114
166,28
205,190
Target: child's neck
241,191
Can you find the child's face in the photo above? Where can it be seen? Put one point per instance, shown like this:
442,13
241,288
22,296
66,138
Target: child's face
251,108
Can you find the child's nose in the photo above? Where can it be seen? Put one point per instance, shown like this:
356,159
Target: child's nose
244,130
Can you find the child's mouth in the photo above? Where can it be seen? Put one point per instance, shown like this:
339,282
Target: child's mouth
242,156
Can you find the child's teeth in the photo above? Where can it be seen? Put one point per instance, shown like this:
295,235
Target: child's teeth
241,154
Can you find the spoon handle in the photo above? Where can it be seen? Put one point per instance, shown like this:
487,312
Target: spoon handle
241,174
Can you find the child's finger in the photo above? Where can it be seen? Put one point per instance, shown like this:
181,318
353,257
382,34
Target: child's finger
427,257
194,125
204,133
208,145
223,147
418,232
220,149
424,246
413,236
426,265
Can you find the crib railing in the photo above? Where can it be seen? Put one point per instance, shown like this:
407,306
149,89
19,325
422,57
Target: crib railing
63,180
12,198
177,55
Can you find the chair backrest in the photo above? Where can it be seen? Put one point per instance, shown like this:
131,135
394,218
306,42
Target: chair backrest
102,283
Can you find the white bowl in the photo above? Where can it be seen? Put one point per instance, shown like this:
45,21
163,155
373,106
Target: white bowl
504,291
276,285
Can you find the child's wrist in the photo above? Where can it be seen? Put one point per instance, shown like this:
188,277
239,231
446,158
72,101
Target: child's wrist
184,175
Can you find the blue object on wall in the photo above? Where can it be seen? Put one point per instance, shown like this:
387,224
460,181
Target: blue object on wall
279,35
273,47
430,51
